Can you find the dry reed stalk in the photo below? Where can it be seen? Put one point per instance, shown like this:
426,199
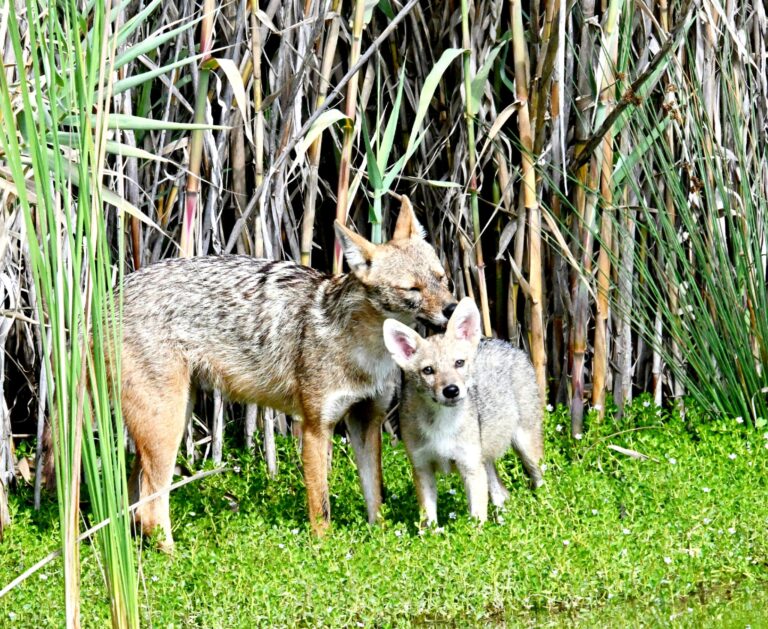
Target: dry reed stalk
315,150
345,163
607,61
472,184
528,193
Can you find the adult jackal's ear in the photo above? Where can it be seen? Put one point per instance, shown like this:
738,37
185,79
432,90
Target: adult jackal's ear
407,226
357,250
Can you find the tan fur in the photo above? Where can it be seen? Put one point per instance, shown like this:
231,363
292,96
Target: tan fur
275,334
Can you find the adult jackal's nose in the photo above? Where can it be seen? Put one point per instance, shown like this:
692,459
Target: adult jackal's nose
448,310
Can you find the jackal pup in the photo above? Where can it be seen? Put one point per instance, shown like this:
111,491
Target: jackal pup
276,334
464,402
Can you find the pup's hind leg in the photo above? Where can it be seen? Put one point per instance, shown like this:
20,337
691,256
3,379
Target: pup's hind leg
155,412
499,493
528,444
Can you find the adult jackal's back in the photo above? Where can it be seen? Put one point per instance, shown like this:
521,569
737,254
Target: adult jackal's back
276,334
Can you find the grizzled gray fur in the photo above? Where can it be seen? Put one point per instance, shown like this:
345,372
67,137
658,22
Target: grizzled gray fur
464,402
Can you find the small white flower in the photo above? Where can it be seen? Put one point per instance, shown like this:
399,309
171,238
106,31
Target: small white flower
672,461
295,531
626,531
646,404
739,420
192,514
667,560
394,496
12,615
439,530
360,624
236,469
343,440
550,408
281,545
398,533
706,490
595,512
732,456
566,542
706,521
732,530
155,578
348,556
43,577
543,467
452,492
578,436
452,515
554,572
500,519
559,428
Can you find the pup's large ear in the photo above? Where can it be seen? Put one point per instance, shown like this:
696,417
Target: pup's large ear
357,250
407,226
401,341
464,324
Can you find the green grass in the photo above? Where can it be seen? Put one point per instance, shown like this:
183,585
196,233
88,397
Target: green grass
608,541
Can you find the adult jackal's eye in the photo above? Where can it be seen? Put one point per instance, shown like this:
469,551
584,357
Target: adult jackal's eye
460,362
427,371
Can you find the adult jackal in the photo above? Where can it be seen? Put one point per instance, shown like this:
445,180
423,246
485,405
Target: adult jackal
276,334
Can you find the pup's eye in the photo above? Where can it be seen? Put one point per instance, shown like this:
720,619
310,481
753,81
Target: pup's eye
415,289
460,363
427,371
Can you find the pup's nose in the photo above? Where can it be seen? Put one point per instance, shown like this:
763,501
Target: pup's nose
448,310
451,391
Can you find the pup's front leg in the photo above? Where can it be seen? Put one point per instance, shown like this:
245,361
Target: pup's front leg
476,485
426,491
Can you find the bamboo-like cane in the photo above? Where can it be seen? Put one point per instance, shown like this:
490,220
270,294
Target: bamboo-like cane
349,130
520,51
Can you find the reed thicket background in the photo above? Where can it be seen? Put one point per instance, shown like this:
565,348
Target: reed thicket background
593,173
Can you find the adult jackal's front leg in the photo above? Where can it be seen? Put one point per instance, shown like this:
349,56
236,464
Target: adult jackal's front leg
364,425
314,455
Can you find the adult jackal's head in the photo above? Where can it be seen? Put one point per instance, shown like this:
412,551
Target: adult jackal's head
403,277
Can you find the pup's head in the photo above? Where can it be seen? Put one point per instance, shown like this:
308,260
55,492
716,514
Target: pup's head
403,277
439,366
